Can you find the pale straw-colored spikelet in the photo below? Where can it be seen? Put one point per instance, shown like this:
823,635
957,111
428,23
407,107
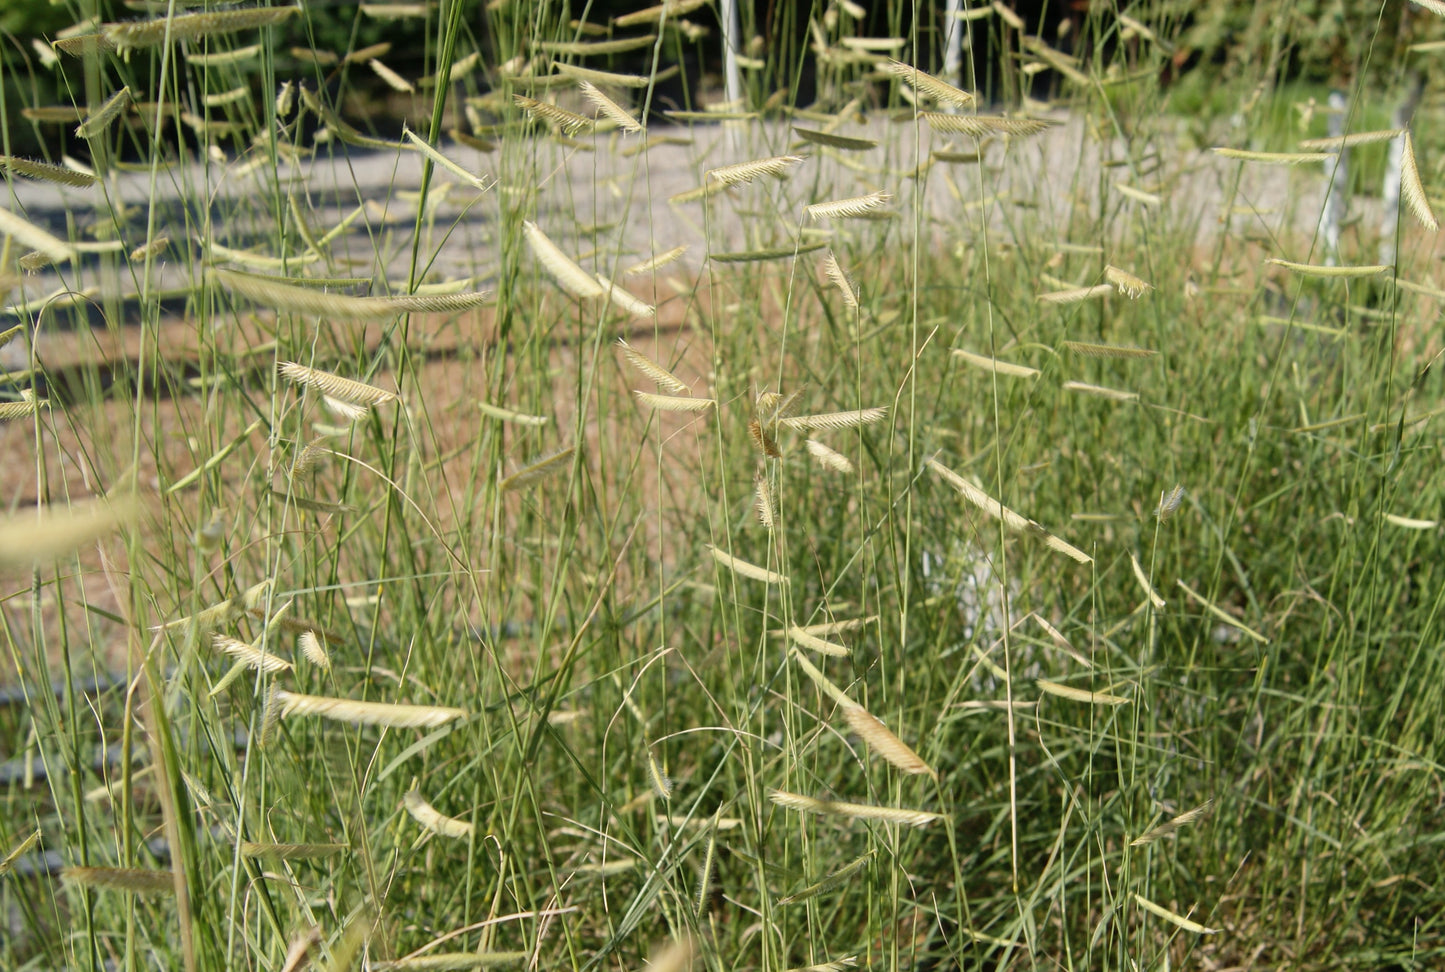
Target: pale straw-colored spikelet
851,207
1075,295
829,459
310,457
1272,158
1173,917
149,250
1336,142
657,776
32,236
132,880
10,411
650,369
393,80
656,263
18,851
860,811
1088,349
629,302
743,568
298,952
825,685
885,743
534,473
828,881
1138,195
1343,272
1012,520
569,122
1170,826
673,403
344,411
1412,190
187,27
432,819
1143,579
100,118
1409,522
335,386
840,279
927,85
11,333
386,714
1100,391
806,639
575,281
842,626
609,108
763,500
29,537
619,45
705,191
511,415
612,78
1169,503
1436,7
1126,283
455,168
1061,691
981,126
837,420
450,962
313,649
1220,613
270,717
250,656
995,365
45,172
276,293
676,956
740,173
659,13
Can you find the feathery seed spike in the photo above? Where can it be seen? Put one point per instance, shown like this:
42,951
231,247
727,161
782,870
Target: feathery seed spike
433,820
575,281
335,386
829,459
673,403
386,714
995,365
650,369
538,471
885,743
741,173
745,569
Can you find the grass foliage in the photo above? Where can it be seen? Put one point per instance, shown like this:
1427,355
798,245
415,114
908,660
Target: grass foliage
424,588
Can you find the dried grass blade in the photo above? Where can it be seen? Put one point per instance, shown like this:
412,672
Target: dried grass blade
886,743
551,465
386,714
432,819
575,281
995,365
744,568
